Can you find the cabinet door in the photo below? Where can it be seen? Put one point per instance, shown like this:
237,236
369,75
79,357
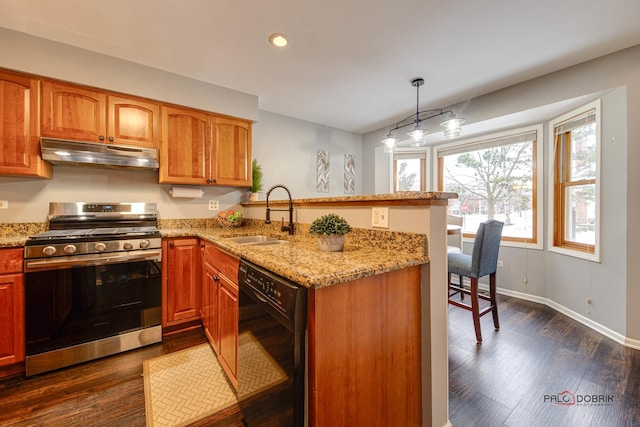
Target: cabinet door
232,154
11,319
19,127
73,112
182,281
228,318
133,122
210,291
185,148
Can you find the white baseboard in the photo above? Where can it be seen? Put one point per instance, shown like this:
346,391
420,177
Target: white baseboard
609,333
631,343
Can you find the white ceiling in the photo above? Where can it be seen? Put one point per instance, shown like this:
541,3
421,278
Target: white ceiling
350,62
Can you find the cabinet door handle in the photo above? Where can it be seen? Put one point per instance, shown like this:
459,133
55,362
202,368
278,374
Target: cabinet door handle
216,278
101,137
215,181
111,138
208,181
171,245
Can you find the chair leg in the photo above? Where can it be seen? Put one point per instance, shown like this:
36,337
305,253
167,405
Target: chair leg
494,300
461,284
475,308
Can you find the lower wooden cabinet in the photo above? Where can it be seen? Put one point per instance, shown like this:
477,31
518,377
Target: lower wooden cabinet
220,307
11,307
181,283
209,311
228,323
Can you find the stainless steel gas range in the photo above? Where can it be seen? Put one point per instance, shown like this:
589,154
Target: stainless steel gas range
92,284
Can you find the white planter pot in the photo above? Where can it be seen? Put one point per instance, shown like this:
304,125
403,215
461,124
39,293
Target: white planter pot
254,197
331,243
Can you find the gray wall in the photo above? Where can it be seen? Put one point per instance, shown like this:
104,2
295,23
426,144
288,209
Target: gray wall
558,280
286,149
284,146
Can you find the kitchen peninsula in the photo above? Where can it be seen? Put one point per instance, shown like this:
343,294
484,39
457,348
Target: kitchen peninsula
369,306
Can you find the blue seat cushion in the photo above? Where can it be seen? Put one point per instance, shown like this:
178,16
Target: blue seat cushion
460,264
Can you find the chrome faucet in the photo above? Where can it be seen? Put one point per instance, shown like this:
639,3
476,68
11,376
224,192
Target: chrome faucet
289,227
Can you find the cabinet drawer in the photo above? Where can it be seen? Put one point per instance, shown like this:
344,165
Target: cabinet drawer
11,260
224,262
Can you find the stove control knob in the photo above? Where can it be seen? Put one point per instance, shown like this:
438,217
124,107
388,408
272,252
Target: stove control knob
49,250
100,247
69,249
127,245
144,244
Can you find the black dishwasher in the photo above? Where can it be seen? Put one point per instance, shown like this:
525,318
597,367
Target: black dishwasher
273,315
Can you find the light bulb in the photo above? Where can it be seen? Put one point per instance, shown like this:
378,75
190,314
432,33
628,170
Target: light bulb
417,136
278,39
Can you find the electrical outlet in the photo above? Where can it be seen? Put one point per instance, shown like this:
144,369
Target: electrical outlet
380,217
500,263
214,205
4,204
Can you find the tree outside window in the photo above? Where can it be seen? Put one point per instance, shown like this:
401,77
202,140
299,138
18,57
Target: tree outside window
410,171
494,179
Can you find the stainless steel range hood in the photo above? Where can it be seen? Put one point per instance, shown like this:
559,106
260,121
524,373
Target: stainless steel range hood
76,153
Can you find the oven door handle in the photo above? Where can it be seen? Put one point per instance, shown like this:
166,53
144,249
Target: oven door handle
59,263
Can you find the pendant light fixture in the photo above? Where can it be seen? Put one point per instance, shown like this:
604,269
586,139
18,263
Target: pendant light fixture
452,128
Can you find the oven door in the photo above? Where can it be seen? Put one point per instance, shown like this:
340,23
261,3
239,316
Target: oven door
76,300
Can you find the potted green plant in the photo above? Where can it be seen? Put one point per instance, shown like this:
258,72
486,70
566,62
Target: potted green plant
256,181
330,230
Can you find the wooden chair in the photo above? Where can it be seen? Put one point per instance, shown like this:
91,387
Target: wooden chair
482,262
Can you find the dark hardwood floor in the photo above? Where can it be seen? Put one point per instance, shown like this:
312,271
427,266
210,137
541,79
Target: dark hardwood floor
516,376
508,380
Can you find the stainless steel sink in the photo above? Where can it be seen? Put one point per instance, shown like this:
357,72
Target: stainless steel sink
257,240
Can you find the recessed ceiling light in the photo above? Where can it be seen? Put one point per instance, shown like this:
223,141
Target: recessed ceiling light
278,39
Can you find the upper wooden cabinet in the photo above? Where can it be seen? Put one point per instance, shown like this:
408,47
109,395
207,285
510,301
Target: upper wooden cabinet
185,148
20,127
232,155
86,114
203,149
133,122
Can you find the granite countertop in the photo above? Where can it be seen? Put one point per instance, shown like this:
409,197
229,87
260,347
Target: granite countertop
366,252
301,261
412,197
13,241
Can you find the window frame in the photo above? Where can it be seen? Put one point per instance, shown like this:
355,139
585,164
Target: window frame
536,240
556,209
422,155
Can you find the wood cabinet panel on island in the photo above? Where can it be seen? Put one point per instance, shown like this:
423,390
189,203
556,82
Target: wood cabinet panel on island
199,148
93,115
11,307
364,351
181,281
20,127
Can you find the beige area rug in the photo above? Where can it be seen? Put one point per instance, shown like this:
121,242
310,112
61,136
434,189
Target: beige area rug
183,387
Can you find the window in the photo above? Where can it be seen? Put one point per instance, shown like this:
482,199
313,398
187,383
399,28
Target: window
496,177
575,172
410,171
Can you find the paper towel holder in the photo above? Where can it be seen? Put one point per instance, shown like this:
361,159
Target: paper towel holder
186,192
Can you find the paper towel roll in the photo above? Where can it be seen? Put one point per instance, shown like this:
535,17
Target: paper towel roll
185,192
